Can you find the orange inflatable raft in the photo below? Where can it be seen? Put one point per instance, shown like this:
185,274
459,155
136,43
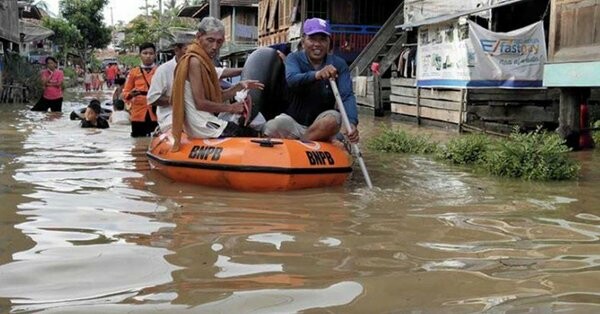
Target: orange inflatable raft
250,164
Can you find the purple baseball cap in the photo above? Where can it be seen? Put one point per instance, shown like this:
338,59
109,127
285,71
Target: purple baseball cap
316,26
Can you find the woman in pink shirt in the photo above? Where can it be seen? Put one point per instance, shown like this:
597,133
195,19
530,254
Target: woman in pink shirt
52,79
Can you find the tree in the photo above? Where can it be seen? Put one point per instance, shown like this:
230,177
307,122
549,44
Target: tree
87,16
66,35
154,27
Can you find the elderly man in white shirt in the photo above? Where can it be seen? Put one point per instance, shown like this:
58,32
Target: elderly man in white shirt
159,94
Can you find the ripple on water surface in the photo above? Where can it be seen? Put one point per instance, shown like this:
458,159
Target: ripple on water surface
90,227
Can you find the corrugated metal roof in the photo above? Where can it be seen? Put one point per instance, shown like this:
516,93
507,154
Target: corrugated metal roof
197,11
447,17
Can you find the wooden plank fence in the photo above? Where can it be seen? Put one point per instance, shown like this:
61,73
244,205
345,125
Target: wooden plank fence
497,110
13,94
429,104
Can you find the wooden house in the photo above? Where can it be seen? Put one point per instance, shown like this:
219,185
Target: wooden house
353,22
32,35
20,33
240,19
9,33
574,58
9,24
463,106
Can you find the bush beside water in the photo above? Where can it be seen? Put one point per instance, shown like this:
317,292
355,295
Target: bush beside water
391,141
465,150
532,156
596,134
537,155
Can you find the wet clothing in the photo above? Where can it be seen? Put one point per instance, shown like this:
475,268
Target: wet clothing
55,105
120,117
143,128
100,124
53,94
310,97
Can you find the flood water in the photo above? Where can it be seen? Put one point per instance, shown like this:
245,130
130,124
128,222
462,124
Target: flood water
85,226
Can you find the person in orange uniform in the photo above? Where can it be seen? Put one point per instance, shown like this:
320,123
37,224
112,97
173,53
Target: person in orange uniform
143,118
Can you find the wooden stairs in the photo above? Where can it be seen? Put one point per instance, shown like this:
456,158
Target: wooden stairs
384,48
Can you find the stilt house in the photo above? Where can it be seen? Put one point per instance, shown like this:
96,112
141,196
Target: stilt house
353,22
461,64
9,34
574,60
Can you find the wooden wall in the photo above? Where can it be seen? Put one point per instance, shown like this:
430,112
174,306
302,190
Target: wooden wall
497,110
365,93
274,20
574,31
501,109
428,104
244,17
9,20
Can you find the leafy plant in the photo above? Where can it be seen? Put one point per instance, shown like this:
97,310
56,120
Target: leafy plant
401,142
87,17
532,156
130,60
70,77
66,35
18,71
464,150
596,134
153,27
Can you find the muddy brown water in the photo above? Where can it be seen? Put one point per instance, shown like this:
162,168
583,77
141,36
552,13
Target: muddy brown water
86,226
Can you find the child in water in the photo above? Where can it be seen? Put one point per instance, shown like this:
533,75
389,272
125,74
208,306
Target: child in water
92,116
119,115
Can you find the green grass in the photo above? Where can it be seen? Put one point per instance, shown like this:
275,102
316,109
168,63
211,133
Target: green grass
465,150
397,141
538,155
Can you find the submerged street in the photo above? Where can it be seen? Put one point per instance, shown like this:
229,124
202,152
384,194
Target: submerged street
87,226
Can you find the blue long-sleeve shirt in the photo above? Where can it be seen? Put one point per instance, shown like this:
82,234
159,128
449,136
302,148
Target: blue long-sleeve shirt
308,96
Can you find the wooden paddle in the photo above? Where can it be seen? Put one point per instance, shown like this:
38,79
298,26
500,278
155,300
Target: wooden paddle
346,124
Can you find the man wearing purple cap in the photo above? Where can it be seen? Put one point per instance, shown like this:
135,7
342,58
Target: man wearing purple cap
311,114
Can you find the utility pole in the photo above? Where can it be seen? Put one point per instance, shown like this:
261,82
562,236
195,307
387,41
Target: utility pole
112,21
215,9
159,7
146,6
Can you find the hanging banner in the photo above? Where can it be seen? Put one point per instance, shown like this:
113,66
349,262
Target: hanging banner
443,55
482,58
513,60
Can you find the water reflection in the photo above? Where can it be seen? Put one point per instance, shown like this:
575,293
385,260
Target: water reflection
89,227
76,221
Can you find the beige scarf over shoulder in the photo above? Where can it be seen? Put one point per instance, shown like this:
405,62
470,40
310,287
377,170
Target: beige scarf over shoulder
210,84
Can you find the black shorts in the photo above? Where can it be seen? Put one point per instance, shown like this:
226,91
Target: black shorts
55,105
234,130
